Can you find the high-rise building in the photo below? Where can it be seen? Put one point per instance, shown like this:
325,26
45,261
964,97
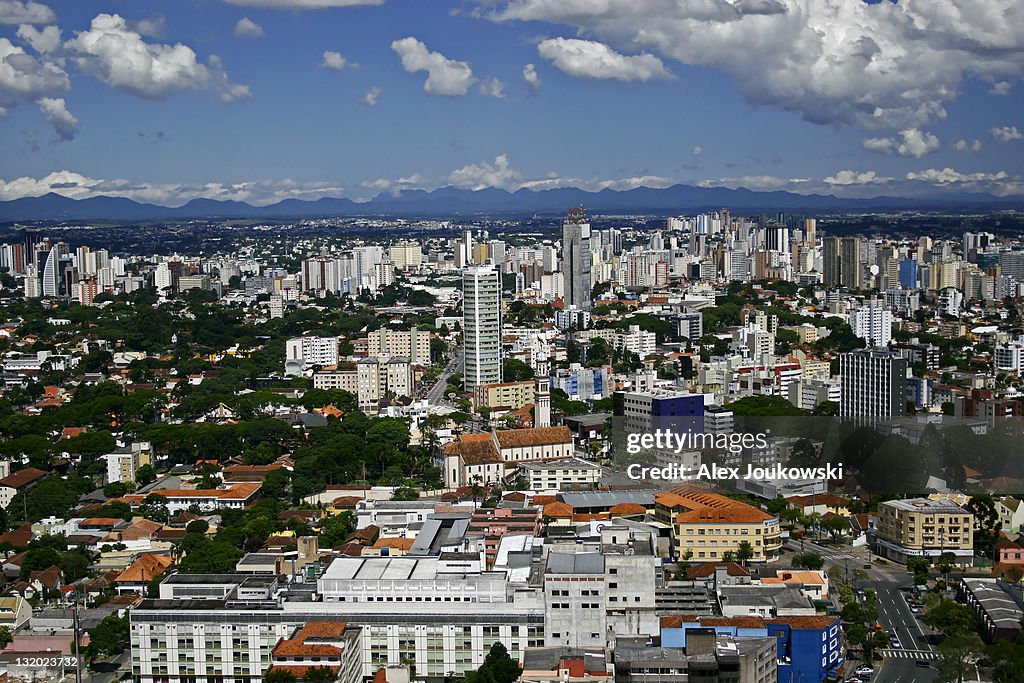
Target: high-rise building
576,259
874,385
52,271
481,287
872,322
841,262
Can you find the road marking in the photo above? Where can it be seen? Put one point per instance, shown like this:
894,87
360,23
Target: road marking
908,654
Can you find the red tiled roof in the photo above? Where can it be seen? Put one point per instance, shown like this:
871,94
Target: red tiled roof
22,478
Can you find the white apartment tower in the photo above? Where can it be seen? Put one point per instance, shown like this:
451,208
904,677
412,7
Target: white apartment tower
482,325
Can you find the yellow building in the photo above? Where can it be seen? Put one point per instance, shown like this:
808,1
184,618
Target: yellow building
512,395
706,526
923,527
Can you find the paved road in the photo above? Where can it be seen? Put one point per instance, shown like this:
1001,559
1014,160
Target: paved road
436,393
900,664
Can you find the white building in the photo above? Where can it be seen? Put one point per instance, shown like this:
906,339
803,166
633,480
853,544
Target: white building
1009,357
638,341
872,323
482,331
302,353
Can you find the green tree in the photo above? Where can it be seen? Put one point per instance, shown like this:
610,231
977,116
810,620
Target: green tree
108,637
5,637
744,553
951,618
957,656
145,475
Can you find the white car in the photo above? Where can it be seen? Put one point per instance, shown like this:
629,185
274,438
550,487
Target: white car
864,670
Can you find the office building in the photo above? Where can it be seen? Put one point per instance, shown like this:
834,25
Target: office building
873,385
482,326
124,462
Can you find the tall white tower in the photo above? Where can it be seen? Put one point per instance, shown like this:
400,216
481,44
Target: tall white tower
481,303
542,402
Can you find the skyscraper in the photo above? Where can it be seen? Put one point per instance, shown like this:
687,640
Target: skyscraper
52,270
874,385
841,262
481,287
576,259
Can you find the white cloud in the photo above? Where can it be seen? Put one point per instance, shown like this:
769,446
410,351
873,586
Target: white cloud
303,4
335,60
154,28
247,28
119,57
492,87
444,76
42,40
591,59
484,174
697,149
413,181
23,75
1001,88
999,183
256,192
755,182
964,146
531,77
885,145
57,114
855,178
1007,134
25,12
914,143
892,65
371,96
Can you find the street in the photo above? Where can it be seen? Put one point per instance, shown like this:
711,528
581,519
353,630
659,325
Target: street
436,393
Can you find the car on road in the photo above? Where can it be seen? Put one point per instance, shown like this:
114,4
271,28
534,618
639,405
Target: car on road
855,679
923,663
864,670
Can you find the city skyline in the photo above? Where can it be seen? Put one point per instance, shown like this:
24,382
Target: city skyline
263,100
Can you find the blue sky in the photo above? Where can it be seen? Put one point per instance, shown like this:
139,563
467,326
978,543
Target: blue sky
165,100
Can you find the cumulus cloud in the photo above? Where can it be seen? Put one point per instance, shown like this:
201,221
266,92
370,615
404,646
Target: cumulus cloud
1001,88
57,114
756,182
22,75
78,186
444,76
371,96
484,174
591,59
154,28
334,60
25,12
247,28
697,149
531,77
303,4
855,178
887,65
912,143
1007,134
42,40
118,56
964,146
492,87
395,186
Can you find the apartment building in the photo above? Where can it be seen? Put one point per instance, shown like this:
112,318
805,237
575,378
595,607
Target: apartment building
302,353
706,526
124,462
412,344
512,395
923,527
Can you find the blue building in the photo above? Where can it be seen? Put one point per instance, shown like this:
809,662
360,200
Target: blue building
908,273
810,648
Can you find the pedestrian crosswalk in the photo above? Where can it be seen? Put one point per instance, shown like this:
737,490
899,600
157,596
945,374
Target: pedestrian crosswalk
896,653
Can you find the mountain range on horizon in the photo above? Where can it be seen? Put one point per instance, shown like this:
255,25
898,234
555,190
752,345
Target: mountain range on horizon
453,201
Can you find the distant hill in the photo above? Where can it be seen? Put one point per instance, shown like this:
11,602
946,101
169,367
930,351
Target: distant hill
448,201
